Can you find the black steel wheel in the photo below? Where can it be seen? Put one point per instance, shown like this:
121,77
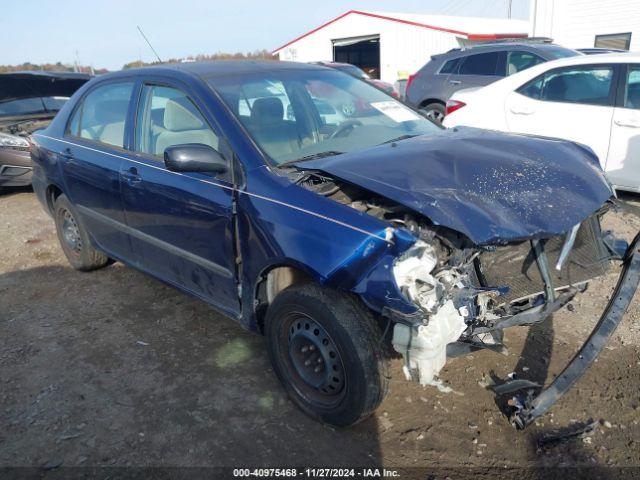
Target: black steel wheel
325,348
74,238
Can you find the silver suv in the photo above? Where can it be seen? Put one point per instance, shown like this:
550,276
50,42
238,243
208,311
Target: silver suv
477,66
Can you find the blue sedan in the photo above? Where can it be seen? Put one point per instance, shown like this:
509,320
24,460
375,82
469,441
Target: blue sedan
338,222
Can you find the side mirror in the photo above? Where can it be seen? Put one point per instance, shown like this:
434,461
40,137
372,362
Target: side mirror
194,157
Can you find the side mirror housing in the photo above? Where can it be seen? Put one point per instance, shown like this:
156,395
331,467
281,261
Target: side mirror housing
194,157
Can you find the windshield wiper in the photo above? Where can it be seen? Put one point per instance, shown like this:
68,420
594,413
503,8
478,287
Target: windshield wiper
397,139
315,156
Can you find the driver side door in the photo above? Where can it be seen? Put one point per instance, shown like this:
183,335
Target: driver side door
181,224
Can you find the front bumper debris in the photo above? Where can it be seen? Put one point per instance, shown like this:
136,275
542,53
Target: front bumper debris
527,407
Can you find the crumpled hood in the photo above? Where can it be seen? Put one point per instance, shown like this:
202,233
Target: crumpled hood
492,187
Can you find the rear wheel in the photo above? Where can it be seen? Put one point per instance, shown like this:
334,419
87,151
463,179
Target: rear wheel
326,350
434,111
74,238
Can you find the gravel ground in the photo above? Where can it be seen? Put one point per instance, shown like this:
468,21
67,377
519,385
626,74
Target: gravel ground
113,368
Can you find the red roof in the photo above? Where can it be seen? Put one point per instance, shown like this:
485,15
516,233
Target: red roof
470,36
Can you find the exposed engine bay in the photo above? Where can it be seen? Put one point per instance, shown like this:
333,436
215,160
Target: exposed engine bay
469,294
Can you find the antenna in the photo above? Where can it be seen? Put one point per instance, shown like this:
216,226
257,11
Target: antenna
149,43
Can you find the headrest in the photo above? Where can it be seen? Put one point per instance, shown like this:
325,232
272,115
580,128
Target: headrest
179,118
110,111
267,110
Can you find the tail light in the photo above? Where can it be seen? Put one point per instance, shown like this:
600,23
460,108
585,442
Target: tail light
453,105
410,81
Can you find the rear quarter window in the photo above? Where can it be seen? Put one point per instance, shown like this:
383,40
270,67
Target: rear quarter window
450,66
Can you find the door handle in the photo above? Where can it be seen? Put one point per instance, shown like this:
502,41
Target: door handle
628,123
522,110
131,176
455,82
67,154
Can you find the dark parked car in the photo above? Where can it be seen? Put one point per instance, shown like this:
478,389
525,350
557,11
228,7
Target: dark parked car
339,242
477,66
28,102
359,73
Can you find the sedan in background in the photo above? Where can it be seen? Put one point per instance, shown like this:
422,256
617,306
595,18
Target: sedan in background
592,100
359,73
474,66
28,102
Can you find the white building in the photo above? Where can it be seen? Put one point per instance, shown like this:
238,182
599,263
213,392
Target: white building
588,23
392,45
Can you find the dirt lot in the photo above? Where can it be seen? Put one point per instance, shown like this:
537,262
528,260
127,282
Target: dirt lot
115,368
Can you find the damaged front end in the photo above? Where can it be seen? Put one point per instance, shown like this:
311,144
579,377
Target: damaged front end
465,295
469,303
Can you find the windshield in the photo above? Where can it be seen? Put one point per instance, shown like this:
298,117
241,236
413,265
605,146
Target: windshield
298,114
29,106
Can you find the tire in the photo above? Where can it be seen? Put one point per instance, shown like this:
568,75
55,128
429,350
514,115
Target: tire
434,111
74,239
353,378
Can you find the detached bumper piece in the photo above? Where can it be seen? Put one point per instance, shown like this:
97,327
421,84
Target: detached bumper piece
528,407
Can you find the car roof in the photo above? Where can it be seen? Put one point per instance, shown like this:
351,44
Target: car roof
591,59
497,47
218,68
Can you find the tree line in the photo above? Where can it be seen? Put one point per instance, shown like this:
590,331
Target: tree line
64,67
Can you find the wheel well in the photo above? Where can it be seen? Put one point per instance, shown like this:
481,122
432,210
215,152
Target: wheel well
426,102
272,283
53,192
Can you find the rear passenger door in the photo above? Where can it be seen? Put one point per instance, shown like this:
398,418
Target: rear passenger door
90,158
181,224
623,162
573,103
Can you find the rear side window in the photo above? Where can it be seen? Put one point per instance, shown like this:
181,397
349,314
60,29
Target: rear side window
589,85
101,115
168,117
518,61
480,64
450,66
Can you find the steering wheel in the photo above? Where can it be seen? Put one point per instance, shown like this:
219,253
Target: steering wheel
345,127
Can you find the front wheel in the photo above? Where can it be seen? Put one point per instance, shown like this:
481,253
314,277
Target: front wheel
74,238
326,349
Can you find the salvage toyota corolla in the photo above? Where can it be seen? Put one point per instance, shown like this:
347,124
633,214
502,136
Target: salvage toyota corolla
317,210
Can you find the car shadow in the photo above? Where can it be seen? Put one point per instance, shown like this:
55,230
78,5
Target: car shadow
113,368
7,191
533,364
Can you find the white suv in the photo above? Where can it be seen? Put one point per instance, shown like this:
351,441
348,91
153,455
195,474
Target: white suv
593,100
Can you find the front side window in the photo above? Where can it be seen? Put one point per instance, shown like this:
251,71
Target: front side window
586,85
481,64
632,93
167,117
518,61
102,114
294,114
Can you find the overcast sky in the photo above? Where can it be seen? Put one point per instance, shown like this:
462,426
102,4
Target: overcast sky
103,32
